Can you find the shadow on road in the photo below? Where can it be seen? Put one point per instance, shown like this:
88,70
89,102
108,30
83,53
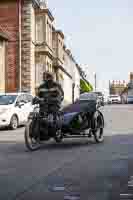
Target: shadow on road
8,129
18,146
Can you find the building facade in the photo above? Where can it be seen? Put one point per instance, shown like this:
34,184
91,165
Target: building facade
43,44
9,27
117,87
30,45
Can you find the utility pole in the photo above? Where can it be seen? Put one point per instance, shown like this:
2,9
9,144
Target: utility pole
109,88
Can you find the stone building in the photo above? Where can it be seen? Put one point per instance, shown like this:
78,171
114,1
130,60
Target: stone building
128,91
117,87
66,68
43,43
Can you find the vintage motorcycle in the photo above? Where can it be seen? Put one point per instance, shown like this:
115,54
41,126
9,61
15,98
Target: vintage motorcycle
80,119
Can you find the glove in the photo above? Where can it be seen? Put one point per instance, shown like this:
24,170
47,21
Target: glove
35,100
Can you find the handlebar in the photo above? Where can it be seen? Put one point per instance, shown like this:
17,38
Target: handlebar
38,100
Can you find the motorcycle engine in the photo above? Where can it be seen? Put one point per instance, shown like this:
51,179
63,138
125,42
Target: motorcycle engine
79,121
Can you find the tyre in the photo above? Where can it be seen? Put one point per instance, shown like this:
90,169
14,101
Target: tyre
14,122
31,143
59,136
98,125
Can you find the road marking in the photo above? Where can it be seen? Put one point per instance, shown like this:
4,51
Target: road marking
126,195
56,188
72,197
130,185
130,182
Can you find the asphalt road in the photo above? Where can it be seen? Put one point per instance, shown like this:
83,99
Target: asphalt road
77,169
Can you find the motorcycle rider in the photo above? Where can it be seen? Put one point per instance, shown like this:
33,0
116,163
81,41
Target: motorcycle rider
52,92
51,95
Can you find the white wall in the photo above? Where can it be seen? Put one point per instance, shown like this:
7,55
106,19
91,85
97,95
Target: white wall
67,87
76,77
70,67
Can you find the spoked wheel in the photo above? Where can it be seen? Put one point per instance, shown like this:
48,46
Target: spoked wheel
98,121
59,136
31,143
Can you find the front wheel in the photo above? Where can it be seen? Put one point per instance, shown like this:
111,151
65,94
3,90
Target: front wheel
14,122
59,136
31,143
98,127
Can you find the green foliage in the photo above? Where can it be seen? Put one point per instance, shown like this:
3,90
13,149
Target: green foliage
85,86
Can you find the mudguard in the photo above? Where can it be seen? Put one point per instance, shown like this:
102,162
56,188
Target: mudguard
68,117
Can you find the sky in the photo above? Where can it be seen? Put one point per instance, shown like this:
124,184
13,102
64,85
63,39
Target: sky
100,35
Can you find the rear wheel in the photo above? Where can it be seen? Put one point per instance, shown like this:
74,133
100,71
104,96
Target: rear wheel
31,143
98,123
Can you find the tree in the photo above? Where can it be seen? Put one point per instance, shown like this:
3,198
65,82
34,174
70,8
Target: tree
85,86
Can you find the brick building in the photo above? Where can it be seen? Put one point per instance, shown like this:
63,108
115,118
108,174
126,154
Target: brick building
9,29
16,25
27,30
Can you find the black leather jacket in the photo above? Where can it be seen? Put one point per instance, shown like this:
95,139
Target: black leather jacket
51,91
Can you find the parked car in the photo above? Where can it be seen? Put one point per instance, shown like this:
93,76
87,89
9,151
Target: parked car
100,98
130,99
15,109
114,99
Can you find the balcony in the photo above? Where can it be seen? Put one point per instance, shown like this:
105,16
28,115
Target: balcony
44,49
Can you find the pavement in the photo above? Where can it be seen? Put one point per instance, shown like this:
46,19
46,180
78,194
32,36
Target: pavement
77,169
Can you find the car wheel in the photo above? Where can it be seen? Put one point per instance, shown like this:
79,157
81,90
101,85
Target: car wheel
14,122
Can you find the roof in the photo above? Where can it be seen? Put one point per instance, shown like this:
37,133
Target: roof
61,33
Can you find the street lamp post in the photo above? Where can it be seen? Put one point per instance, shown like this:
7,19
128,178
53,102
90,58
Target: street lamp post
95,78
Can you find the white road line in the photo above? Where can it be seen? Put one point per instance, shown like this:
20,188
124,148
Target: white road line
130,185
126,195
130,182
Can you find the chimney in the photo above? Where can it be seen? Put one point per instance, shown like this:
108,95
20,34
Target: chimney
43,4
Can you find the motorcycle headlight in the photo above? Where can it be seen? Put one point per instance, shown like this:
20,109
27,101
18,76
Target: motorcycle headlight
36,109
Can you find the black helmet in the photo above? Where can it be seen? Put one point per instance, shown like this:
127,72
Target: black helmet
48,75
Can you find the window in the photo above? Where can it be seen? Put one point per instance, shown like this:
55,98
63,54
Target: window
47,66
2,66
7,99
20,98
28,97
51,68
38,73
39,29
64,57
